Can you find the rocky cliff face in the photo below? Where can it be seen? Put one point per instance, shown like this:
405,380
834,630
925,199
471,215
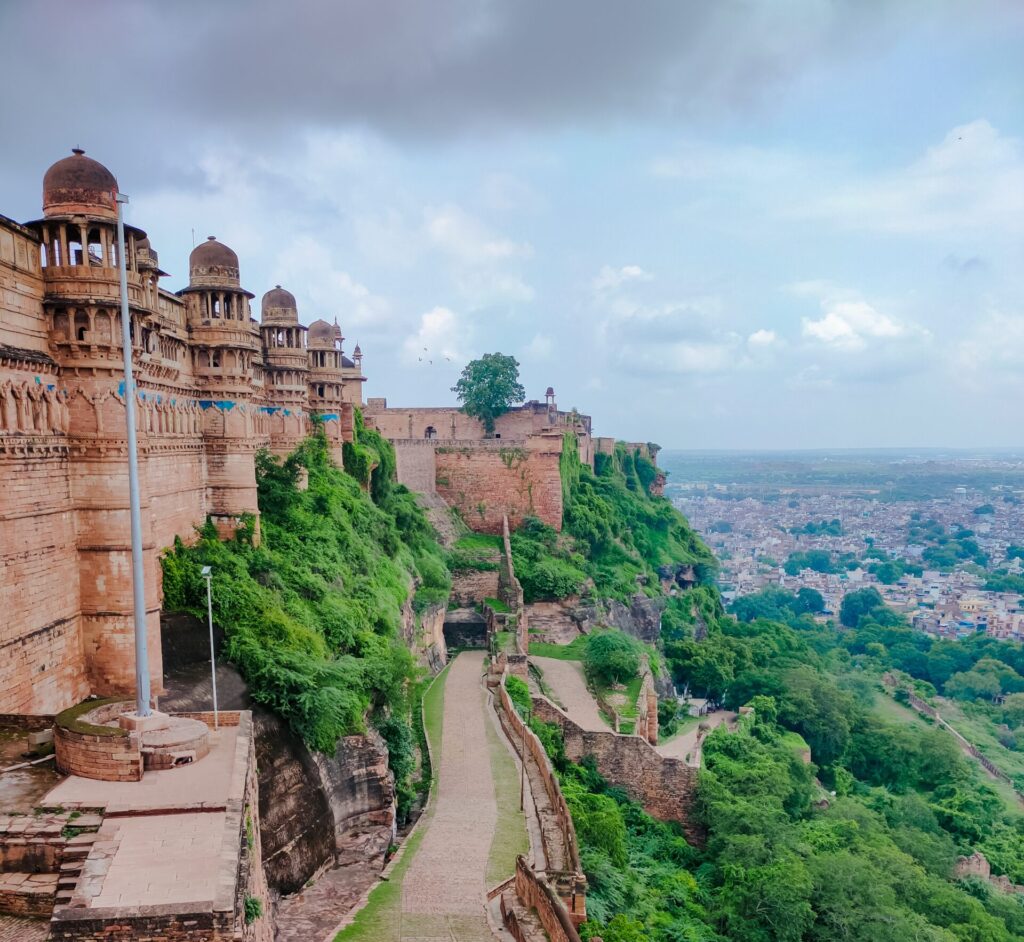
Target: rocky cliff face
425,636
641,618
318,810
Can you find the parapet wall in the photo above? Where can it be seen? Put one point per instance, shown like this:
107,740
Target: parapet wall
536,895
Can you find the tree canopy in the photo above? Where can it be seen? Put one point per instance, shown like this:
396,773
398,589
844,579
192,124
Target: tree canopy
488,387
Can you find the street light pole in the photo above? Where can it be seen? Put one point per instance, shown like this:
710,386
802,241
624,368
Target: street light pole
138,575
522,768
208,576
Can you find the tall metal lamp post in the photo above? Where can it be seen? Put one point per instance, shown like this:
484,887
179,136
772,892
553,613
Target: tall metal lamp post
208,576
138,584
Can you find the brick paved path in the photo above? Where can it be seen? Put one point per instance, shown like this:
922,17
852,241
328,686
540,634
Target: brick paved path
444,889
16,929
566,680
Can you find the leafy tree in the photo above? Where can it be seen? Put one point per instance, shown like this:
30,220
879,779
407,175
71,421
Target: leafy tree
611,657
818,560
858,604
809,600
488,387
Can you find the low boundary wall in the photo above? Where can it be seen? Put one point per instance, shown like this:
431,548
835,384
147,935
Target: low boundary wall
566,899
535,894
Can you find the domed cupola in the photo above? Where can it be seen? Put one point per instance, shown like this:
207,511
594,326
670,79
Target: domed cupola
213,263
279,307
321,335
79,185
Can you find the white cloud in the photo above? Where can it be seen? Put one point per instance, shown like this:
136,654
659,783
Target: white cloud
465,238
849,324
609,278
762,338
484,286
991,353
306,268
973,180
540,347
437,340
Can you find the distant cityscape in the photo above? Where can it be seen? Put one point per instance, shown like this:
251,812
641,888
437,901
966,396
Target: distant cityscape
948,555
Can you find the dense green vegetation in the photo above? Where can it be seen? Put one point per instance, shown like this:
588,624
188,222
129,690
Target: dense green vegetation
617,538
311,615
945,549
873,862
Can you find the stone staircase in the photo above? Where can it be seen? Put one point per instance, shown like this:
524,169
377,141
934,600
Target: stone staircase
41,857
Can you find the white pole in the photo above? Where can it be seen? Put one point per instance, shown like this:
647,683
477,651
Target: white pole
138,584
213,663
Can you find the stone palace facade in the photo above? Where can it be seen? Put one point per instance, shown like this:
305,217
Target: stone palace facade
214,386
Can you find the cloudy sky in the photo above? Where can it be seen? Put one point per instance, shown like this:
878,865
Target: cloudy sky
747,223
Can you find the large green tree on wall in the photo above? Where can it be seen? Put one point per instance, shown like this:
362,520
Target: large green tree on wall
488,387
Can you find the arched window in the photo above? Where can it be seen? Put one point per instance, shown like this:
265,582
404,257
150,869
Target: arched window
96,248
81,326
431,432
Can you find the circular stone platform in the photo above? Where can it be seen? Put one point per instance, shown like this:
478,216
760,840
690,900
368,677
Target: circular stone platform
181,741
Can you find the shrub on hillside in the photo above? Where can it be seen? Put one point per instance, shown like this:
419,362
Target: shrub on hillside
611,657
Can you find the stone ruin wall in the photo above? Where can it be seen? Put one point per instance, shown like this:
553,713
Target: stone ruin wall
667,788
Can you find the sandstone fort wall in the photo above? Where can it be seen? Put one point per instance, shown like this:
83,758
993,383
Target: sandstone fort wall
487,481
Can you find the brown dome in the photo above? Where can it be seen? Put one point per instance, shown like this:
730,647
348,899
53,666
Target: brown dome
321,334
213,263
279,307
79,184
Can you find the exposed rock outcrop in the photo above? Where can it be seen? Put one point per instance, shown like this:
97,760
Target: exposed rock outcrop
318,810
641,618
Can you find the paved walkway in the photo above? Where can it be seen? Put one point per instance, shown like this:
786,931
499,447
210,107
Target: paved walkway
444,889
438,888
19,929
567,683
685,744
